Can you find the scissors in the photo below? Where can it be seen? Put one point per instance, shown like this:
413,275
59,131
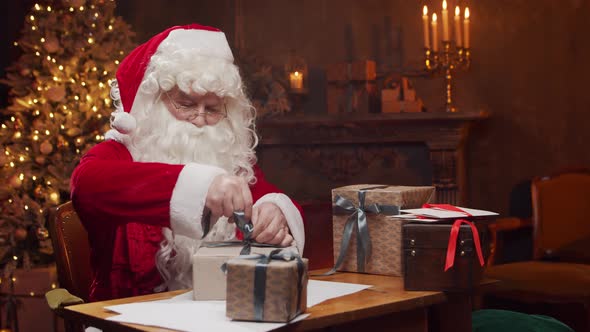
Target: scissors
245,225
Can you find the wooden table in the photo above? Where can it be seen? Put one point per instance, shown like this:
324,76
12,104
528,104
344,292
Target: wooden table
385,306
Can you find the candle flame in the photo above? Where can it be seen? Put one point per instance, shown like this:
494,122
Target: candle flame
425,11
444,4
457,11
434,17
296,73
466,12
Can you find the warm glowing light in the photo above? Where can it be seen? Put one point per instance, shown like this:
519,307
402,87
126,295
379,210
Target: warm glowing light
42,39
15,43
434,17
33,28
37,112
425,11
93,68
11,164
457,11
76,97
12,119
81,8
48,8
110,27
54,197
94,108
48,183
37,7
51,115
21,176
61,67
116,62
47,132
95,14
35,100
34,178
466,12
35,138
37,53
101,85
71,9
26,207
55,78
18,134
32,18
21,159
83,83
90,40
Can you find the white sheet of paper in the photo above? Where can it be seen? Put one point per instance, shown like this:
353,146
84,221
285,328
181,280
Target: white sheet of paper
444,214
183,314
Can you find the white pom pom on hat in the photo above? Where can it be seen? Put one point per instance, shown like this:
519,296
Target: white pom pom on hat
123,122
205,40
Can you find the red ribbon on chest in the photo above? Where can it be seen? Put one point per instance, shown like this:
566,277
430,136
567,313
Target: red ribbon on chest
452,247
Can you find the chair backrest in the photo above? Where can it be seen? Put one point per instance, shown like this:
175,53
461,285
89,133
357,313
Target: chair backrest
72,250
561,210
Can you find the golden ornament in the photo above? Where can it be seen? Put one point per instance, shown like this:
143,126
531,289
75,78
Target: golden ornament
56,93
42,233
72,132
46,147
15,181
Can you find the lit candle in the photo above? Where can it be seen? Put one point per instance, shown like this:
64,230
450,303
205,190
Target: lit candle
434,33
458,38
296,80
445,21
466,27
426,27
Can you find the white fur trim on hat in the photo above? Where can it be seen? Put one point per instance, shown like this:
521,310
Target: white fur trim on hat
205,42
188,198
291,213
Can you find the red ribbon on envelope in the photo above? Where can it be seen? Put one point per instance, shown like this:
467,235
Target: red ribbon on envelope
452,247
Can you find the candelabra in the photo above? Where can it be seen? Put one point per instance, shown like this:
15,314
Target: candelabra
445,62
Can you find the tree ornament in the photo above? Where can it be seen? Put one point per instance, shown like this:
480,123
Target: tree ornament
15,181
40,160
51,44
20,234
42,233
39,192
56,93
46,147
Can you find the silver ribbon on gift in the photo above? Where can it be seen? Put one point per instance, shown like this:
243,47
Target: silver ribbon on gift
357,220
260,277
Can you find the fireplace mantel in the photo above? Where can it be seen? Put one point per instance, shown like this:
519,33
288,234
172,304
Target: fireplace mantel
310,140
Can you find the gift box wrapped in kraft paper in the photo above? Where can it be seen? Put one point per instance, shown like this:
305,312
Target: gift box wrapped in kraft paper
208,278
366,237
266,288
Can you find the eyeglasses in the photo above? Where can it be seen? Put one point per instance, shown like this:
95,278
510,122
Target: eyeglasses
191,111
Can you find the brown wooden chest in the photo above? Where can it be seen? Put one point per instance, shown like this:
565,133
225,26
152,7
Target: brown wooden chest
425,252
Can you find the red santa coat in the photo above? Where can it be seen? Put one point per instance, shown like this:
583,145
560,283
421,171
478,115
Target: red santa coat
124,204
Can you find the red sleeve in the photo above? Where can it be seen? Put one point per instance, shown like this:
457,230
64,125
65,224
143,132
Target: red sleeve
109,187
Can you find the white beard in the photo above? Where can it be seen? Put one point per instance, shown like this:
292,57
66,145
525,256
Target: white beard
160,137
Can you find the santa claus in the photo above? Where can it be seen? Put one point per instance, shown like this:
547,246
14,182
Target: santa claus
180,153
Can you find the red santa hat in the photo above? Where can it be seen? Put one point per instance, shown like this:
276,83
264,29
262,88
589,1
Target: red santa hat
204,40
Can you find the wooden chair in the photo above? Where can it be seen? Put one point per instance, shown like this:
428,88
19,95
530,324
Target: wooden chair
556,281
72,256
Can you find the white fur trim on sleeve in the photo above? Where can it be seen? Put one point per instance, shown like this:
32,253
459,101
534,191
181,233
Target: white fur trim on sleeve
291,213
188,199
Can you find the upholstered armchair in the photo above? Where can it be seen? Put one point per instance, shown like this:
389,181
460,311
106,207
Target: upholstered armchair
556,280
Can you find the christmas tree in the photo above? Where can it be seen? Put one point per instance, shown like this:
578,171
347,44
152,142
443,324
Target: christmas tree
60,107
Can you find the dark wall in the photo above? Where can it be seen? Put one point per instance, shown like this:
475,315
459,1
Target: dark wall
530,67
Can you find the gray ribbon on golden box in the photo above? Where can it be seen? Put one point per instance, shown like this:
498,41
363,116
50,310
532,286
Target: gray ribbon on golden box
260,277
358,221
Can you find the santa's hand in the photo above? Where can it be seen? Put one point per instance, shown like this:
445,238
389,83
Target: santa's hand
270,225
228,193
